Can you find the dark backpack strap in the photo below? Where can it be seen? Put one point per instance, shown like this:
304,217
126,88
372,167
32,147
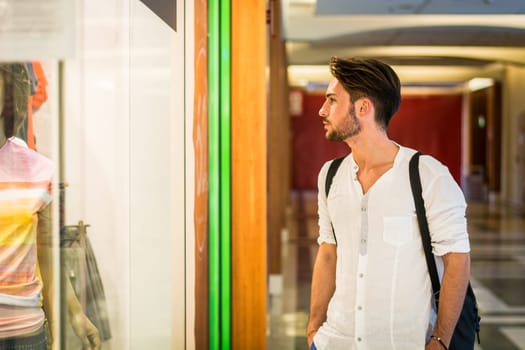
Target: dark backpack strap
415,184
332,170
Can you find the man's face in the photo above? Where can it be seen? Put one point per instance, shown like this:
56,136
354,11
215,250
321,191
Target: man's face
338,114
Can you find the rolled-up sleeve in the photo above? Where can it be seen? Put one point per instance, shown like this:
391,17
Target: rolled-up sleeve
446,208
325,225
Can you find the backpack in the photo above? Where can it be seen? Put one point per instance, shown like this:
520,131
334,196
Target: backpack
468,324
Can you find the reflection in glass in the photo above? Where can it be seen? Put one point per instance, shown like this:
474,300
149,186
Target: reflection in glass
27,316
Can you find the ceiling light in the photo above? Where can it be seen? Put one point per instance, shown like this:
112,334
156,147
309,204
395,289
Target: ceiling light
479,83
303,2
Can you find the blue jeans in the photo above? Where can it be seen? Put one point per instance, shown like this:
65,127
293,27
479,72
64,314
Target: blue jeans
35,341
313,346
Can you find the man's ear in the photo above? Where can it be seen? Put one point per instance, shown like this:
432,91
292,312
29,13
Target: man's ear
364,106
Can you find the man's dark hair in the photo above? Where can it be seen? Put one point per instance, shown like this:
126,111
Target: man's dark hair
16,92
368,77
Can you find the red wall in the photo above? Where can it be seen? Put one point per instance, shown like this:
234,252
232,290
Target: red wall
431,124
310,149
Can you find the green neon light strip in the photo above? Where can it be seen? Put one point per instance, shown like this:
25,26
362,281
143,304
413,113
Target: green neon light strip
214,173
219,144
225,165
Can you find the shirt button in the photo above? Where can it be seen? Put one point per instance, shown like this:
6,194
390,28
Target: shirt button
359,339
363,209
359,308
363,240
361,275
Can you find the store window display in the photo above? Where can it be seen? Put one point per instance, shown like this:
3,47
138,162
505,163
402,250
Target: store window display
26,239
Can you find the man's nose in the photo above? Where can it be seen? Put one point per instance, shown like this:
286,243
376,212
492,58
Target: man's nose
322,111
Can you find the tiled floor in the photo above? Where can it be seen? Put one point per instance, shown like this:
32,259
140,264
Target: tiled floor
498,275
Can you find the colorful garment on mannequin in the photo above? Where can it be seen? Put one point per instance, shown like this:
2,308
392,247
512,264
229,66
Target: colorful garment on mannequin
25,189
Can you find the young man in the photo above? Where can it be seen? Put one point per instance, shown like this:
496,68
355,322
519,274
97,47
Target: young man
370,284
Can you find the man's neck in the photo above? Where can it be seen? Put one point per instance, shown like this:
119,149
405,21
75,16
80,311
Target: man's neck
370,151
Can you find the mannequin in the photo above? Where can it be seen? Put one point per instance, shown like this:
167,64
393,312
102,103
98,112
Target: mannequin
27,318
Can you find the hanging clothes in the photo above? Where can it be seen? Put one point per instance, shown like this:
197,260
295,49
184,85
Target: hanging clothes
38,97
80,266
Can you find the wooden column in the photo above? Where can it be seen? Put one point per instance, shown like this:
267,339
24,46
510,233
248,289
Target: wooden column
494,138
200,147
249,184
278,140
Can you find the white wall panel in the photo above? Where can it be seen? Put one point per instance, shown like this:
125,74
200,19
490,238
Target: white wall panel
157,169
96,149
127,111
186,23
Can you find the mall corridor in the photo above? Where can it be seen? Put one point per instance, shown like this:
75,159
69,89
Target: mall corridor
497,237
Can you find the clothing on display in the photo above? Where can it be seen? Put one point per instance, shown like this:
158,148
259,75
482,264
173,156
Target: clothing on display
80,266
25,189
38,96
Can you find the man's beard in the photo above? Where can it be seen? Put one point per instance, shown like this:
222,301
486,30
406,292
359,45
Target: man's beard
351,127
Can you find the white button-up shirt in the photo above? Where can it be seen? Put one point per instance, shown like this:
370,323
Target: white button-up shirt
383,292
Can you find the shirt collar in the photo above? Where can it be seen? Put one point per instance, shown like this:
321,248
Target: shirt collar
401,154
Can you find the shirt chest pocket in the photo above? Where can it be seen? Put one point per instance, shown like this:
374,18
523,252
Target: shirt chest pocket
399,230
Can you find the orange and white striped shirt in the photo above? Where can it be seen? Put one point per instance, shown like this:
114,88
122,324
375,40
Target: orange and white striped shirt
25,189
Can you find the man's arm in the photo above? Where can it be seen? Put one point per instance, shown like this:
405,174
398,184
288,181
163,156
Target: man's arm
323,287
452,295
